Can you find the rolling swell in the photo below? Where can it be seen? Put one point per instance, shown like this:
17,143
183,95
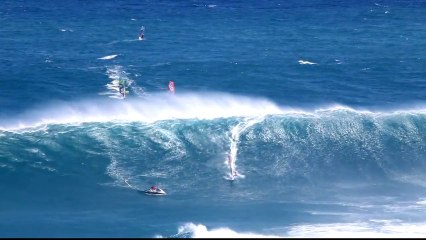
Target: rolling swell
294,150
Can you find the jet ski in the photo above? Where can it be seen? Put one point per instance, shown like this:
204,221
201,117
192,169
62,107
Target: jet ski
155,191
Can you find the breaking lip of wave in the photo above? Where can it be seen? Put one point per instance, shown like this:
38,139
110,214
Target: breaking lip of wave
372,228
156,107
164,106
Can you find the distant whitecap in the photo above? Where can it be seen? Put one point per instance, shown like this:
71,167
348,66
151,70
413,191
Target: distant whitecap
108,57
306,62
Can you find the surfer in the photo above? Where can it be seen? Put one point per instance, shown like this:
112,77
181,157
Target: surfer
142,33
231,168
121,86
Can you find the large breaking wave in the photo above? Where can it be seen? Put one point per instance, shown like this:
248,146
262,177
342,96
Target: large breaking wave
181,142
174,138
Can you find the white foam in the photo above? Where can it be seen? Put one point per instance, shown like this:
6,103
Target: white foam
163,106
156,107
108,57
336,108
370,229
367,229
303,62
201,231
339,61
115,73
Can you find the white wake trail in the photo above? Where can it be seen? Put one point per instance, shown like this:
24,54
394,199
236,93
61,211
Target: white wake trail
234,140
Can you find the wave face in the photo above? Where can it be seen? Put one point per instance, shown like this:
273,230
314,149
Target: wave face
272,143
336,154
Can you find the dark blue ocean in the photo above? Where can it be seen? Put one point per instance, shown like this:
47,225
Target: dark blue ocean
321,104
